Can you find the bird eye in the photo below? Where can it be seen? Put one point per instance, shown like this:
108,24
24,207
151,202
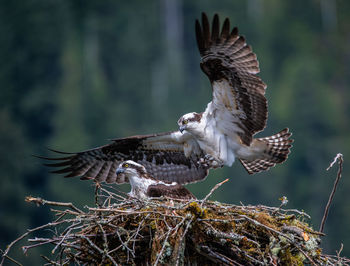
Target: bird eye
185,122
126,165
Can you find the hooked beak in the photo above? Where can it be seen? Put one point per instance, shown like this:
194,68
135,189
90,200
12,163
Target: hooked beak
182,128
120,170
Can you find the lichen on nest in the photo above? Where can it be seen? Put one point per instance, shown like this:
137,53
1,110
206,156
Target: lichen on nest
127,231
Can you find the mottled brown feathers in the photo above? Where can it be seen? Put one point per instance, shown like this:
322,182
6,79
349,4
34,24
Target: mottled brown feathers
174,191
163,162
226,56
278,148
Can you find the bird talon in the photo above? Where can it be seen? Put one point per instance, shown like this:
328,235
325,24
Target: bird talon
209,161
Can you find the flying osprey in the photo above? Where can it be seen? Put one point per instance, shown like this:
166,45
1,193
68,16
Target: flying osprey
144,185
213,138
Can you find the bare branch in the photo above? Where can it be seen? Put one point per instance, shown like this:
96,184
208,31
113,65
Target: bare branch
40,201
338,158
4,255
212,190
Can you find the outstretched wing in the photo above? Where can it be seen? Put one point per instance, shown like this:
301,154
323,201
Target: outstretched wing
238,93
161,154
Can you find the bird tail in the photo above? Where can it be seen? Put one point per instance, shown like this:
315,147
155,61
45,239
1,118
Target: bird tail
275,149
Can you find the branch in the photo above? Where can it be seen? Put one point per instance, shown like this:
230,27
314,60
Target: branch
4,255
40,201
212,190
339,158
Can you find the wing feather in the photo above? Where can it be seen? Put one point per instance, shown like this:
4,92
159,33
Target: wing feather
215,29
102,174
225,31
161,154
231,65
206,31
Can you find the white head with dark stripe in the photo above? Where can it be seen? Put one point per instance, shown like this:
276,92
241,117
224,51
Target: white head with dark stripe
130,168
189,122
138,177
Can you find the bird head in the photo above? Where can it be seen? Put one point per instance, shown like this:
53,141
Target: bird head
137,176
130,168
189,121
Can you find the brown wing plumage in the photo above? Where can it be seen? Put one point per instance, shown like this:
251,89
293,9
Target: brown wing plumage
175,191
277,151
163,158
226,56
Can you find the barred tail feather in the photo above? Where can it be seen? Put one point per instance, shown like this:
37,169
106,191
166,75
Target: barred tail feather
277,148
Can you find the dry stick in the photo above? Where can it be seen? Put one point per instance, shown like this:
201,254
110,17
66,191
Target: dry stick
214,256
13,260
233,236
212,190
113,195
98,249
134,236
170,229
50,261
40,243
182,239
4,255
65,235
340,250
105,243
339,158
282,234
163,247
125,244
40,201
97,194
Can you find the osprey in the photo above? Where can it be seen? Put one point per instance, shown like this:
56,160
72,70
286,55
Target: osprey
213,138
144,185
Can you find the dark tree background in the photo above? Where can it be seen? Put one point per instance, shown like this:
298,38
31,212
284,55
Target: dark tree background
75,73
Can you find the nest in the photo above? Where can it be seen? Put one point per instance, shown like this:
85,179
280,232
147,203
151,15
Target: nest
127,231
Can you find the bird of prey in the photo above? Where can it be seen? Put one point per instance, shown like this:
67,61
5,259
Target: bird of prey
213,138
144,185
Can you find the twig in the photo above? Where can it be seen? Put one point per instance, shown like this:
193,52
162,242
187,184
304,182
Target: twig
97,194
105,242
232,236
339,158
215,257
67,231
50,261
40,201
4,255
26,248
11,259
281,234
163,247
340,250
212,190
98,249
125,244
266,227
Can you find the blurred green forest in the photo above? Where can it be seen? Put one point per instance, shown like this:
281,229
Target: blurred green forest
76,73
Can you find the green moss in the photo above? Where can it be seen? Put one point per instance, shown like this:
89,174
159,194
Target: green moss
288,258
196,210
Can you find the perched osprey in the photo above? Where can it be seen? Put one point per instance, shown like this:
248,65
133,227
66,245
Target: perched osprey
144,185
223,132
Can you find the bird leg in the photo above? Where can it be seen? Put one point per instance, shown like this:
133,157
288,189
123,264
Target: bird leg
209,161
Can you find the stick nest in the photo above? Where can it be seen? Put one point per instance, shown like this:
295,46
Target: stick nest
127,231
